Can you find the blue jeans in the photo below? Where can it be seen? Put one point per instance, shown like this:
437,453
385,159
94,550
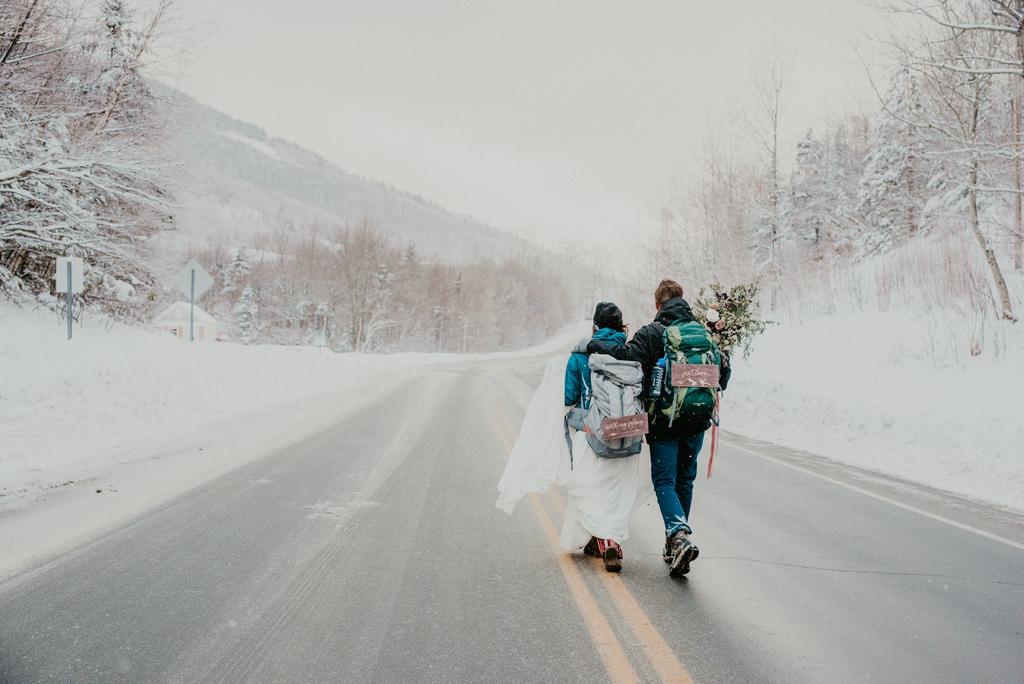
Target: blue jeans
673,470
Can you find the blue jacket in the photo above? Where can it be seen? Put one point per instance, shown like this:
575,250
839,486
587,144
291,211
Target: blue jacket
577,370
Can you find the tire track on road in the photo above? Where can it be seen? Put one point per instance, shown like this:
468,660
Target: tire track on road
246,658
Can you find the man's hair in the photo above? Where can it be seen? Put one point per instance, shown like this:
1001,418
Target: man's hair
667,290
607,315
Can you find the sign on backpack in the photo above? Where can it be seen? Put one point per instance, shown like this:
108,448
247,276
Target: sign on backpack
616,416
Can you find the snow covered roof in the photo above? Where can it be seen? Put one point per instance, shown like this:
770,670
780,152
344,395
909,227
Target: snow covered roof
178,312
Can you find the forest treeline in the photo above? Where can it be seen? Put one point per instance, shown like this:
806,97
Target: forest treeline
352,288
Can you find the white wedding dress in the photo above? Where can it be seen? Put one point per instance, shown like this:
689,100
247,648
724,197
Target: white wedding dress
602,493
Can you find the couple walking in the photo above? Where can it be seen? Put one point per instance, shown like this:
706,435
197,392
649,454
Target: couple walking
669,374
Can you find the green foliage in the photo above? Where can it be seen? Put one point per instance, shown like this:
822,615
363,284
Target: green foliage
735,309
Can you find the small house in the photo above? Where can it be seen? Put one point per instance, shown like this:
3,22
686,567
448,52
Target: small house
174,319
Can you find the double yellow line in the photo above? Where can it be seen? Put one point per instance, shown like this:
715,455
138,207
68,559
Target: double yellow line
608,647
613,656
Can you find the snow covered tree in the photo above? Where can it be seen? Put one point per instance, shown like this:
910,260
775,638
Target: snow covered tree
1017,163
247,310
961,54
116,31
69,186
890,194
14,22
119,87
807,205
816,212
844,165
366,276
236,275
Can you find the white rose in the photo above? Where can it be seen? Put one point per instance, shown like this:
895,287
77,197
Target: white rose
712,316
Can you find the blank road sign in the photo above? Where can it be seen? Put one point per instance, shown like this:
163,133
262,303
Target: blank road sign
77,275
183,280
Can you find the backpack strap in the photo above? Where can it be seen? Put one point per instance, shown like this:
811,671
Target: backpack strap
568,439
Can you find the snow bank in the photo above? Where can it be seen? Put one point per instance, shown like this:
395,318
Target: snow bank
858,389
72,411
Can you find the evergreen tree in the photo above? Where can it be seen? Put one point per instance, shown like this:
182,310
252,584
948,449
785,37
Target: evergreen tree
237,274
116,23
807,202
843,170
890,190
247,316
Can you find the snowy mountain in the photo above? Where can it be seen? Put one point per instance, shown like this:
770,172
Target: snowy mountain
302,250
236,182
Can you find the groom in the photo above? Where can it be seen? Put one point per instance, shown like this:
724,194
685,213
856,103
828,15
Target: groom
675,446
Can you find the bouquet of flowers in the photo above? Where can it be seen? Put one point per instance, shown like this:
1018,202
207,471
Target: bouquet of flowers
731,315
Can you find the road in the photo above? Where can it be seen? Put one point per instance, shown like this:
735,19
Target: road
373,552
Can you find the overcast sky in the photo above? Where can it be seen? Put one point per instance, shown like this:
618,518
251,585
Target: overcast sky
557,120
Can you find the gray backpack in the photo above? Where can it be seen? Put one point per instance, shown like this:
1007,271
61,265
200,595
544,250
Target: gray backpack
616,388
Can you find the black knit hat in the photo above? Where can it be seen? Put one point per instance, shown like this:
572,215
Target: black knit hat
607,315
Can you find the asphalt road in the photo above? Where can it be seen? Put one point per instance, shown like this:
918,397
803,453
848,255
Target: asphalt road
373,552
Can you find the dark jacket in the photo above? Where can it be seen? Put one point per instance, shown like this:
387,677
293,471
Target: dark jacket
577,370
646,347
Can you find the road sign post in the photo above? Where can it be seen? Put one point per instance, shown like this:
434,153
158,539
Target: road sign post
69,279
192,281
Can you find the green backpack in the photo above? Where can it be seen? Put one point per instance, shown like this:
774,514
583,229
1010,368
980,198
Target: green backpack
687,342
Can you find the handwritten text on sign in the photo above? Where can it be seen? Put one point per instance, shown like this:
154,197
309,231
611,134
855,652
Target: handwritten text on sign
693,375
627,426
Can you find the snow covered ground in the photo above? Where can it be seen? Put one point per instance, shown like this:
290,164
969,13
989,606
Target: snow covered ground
114,394
864,389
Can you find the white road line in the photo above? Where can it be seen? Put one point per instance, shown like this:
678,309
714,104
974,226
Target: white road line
873,495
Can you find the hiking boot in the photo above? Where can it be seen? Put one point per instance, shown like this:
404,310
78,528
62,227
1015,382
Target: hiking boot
684,552
611,553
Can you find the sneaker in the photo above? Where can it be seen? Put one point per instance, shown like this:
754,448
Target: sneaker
684,552
611,553
591,548
666,553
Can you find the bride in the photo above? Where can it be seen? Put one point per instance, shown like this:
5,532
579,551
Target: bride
602,492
